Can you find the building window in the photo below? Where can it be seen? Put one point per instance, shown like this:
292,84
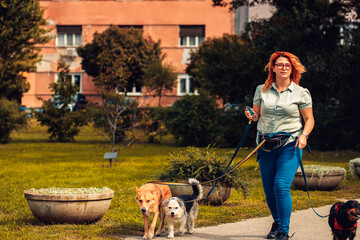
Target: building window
68,36
131,26
134,90
185,85
75,80
191,35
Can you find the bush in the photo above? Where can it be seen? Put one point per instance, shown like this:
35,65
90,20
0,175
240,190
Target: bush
62,124
121,110
193,121
232,127
10,119
202,164
334,129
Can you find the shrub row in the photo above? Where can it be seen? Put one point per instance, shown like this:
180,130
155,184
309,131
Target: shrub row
194,121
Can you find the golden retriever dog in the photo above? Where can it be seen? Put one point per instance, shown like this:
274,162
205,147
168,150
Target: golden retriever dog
149,197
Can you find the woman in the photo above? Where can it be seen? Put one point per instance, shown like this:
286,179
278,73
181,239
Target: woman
278,106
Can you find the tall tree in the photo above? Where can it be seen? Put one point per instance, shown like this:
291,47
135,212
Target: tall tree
311,29
117,110
62,124
159,77
317,31
20,33
225,68
127,44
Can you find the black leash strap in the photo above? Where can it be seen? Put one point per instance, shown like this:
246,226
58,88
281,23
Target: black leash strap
236,151
304,175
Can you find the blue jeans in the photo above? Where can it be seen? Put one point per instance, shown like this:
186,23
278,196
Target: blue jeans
277,170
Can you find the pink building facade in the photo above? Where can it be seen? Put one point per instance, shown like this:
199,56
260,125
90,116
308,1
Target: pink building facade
180,25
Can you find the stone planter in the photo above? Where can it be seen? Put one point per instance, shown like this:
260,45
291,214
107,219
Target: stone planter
218,196
354,166
69,208
357,169
325,180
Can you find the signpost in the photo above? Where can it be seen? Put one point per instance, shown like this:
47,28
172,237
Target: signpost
111,156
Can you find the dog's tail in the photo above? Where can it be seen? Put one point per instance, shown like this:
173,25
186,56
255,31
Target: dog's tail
197,189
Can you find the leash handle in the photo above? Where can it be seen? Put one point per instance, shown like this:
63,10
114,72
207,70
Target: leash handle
252,113
250,110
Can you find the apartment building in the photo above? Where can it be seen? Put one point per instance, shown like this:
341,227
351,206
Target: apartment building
181,25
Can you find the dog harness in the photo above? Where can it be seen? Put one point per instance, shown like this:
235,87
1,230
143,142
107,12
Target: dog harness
338,226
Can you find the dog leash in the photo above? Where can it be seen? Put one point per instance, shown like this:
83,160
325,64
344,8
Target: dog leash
218,178
304,175
236,151
227,167
223,175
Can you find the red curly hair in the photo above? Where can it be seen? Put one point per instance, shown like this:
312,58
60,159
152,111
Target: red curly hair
296,66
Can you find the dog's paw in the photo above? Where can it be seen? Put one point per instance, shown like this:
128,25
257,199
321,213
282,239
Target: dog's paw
170,236
148,236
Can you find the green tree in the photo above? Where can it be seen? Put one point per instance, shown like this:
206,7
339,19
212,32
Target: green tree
20,34
343,94
127,44
319,32
193,121
311,29
10,119
117,111
62,124
159,77
224,68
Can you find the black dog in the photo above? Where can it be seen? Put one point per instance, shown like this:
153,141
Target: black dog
343,219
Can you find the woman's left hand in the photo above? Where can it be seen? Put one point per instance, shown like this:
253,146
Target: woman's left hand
301,141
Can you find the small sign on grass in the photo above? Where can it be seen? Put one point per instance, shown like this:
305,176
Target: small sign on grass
111,156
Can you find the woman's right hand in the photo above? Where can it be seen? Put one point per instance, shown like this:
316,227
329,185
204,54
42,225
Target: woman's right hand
256,113
248,114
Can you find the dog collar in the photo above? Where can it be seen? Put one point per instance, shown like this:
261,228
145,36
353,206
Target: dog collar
339,227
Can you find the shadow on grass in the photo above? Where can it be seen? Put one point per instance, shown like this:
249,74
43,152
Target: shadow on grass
122,229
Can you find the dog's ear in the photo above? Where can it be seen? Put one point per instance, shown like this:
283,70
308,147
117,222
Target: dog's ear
181,203
164,203
137,191
350,204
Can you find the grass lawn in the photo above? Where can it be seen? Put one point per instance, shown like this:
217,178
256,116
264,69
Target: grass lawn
31,161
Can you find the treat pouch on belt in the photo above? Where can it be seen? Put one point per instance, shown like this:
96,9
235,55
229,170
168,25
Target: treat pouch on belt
274,141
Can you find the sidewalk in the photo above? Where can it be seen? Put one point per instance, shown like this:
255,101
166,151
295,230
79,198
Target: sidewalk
305,223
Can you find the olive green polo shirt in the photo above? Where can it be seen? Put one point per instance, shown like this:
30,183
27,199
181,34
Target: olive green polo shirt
280,112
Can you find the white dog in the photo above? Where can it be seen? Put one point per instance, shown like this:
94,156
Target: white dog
183,209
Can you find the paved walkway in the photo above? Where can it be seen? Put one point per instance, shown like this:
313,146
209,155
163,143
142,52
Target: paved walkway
305,223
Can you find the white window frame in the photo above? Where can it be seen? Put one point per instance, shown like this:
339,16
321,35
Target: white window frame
187,78
133,92
187,41
65,40
72,79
